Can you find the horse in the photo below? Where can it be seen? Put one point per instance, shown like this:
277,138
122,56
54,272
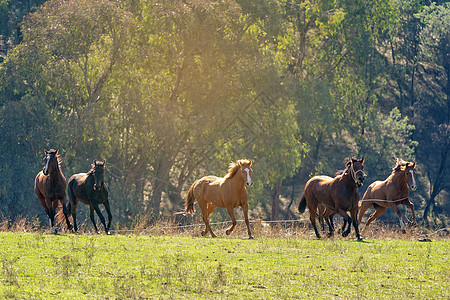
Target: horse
50,187
390,193
337,195
224,192
89,188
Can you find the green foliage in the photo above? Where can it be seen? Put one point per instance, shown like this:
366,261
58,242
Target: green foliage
167,92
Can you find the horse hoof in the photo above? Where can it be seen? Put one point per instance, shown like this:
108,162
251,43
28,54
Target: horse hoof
250,237
108,233
360,239
228,232
203,233
344,234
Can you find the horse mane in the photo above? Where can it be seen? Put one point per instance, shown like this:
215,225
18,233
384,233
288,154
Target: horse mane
234,167
92,170
58,157
399,163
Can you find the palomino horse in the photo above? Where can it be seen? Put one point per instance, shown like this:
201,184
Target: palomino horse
390,193
338,195
224,192
50,187
89,188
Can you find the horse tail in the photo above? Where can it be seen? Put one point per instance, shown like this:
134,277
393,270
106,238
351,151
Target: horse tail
302,205
190,200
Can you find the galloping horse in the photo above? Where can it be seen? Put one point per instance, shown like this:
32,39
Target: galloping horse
50,187
390,193
338,195
224,192
89,188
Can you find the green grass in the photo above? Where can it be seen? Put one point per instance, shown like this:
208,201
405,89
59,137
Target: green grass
44,266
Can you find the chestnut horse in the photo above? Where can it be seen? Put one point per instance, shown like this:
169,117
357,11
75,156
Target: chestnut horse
50,187
89,188
224,192
338,195
390,193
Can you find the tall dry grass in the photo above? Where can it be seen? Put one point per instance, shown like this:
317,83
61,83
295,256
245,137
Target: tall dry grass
281,229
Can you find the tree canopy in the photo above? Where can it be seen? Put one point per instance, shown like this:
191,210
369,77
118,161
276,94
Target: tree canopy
169,91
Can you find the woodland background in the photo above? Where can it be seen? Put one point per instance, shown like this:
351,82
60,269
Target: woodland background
169,91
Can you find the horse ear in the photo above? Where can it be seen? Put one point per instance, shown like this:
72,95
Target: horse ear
362,160
56,151
414,165
250,162
45,151
93,161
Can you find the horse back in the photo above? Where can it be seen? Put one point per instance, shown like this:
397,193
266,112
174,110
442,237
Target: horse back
219,191
376,190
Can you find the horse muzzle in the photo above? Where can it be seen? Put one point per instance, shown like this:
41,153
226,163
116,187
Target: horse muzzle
413,187
96,187
249,183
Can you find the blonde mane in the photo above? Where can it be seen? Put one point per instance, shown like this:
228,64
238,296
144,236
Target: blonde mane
234,167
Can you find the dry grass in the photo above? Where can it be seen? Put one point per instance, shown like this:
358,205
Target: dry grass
260,228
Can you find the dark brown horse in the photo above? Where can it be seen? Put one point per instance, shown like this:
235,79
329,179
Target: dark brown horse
338,195
89,188
390,193
50,187
224,192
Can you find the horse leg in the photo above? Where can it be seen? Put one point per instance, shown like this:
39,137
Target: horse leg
379,210
354,216
365,205
399,214
108,211
347,219
321,213
312,218
44,205
92,216
66,213
233,220
247,222
204,208
411,207
100,215
73,211
53,206
329,218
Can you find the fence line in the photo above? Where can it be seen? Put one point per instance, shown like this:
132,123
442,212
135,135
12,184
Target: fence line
216,223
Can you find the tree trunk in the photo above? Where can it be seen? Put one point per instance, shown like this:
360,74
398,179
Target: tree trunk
437,185
276,200
162,178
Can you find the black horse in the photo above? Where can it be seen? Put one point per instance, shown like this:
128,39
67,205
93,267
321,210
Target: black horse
89,188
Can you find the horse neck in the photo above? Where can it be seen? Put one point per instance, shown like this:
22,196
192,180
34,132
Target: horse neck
55,174
398,179
348,181
237,179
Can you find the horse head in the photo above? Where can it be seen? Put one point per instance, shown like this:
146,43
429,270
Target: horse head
246,170
98,168
356,168
51,161
408,169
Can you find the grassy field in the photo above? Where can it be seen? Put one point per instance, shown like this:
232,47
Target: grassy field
184,266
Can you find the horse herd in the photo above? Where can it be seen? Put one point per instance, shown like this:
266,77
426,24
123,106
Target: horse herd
323,195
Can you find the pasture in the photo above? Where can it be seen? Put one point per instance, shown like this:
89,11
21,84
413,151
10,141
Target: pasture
279,264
